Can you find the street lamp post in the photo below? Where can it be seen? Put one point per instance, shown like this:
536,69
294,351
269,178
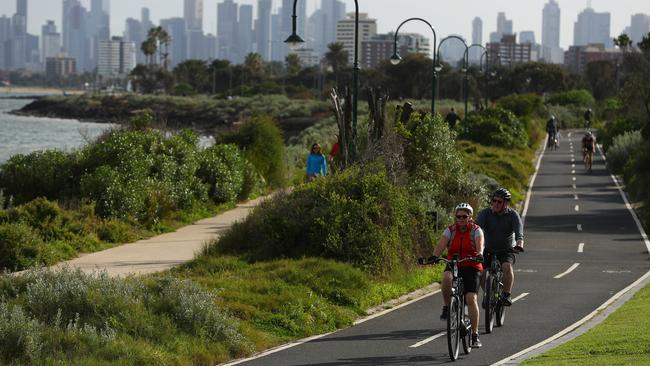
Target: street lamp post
395,59
465,66
294,42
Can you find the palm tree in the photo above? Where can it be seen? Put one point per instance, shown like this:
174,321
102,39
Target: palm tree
337,58
254,65
149,47
164,40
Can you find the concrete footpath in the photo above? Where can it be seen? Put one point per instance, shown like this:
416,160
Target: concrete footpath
161,252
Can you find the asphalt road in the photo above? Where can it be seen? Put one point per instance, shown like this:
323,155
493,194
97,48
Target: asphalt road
582,247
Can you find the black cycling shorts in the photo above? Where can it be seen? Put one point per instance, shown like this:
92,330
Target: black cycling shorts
503,257
471,278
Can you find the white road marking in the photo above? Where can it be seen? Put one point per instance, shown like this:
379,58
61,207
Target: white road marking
574,186
579,227
573,266
573,172
581,248
526,270
577,208
573,165
616,272
569,134
520,296
425,341
574,179
575,197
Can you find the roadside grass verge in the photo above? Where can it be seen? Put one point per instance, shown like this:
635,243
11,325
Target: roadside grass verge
622,339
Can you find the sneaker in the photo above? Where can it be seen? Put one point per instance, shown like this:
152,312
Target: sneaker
476,343
445,313
506,299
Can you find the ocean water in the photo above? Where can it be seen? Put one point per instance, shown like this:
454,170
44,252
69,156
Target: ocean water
23,135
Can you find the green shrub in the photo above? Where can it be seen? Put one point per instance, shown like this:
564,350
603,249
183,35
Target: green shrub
521,104
221,167
49,220
494,127
358,217
21,337
622,149
261,140
20,246
617,127
579,98
253,184
39,174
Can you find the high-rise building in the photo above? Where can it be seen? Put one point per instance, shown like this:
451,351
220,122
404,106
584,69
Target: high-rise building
504,27
60,66
115,57
527,37
639,27
551,16
333,12
592,28
145,19
380,48
244,33
196,44
177,30
477,38
227,29
50,41
276,43
76,34
345,33
452,51
193,14
263,28
99,26
134,32
5,35
509,52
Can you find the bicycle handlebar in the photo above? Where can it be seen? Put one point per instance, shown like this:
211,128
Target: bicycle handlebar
434,260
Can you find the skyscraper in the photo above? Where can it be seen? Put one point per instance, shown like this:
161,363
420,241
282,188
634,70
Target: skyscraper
50,41
477,38
639,27
263,28
345,33
551,51
115,57
76,34
5,35
193,14
504,27
99,26
592,28
177,30
244,33
227,30
527,37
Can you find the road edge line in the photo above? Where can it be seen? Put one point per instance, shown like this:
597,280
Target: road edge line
531,183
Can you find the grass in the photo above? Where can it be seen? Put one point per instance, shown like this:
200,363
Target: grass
622,339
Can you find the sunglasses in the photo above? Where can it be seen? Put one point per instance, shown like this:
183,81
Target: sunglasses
494,200
462,216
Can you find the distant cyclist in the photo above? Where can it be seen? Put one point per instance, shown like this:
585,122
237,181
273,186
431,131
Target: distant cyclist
465,239
588,116
588,148
551,128
503,228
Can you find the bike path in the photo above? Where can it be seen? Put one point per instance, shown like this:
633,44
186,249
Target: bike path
558,281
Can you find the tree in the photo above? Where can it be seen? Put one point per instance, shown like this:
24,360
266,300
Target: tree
337,58
601,78
254,67
293,64
149,48
623,41
195,74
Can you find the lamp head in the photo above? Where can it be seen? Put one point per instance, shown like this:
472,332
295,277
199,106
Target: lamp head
395,59
438,68
294,41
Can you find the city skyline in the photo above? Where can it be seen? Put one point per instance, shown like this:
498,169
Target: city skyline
526,16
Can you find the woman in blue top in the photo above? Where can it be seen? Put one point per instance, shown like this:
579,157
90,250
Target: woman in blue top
316,164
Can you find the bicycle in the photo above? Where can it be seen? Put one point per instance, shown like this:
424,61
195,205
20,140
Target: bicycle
588,159
459,326
495,310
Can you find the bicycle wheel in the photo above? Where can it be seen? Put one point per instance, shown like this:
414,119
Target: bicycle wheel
500,313
466,333
488,300
453,327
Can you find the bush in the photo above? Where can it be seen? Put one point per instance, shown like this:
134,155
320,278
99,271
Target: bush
622,149
578,98
521,104
39,174
494,127
357,216
20,246
615,128
261,140
222,168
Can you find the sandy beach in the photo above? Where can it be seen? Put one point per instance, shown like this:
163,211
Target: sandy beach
4,90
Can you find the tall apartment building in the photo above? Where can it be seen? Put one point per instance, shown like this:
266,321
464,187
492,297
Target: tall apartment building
345,33
477,38
380,48
504,27
509,52
115,57
193,14
244,33
577,58
592,28
227,30
177,30
50,41
639,27
60,66
263,29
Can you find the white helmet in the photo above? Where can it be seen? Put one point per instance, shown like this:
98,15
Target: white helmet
465,206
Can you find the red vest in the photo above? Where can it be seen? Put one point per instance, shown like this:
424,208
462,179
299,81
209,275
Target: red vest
463,245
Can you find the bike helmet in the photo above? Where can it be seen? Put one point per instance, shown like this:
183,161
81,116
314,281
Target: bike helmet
466,207
553,117
502,193
588,133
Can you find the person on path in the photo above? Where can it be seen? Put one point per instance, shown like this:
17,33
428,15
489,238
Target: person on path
316,163
504,236
452,118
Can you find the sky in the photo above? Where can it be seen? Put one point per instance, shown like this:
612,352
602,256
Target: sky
447,17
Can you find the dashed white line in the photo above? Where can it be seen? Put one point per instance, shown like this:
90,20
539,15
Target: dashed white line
520,296
581,248
573,266
574,179
574,186
425,341
575,197
573,165
579,227
577,208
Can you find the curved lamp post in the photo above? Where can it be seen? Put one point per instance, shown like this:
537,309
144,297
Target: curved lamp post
395,59
465,65
294,41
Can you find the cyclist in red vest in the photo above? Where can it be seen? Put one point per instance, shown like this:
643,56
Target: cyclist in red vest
464,239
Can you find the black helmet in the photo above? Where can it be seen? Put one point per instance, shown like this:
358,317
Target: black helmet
502,193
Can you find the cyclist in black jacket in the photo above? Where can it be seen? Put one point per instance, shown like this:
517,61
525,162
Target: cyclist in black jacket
502,228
